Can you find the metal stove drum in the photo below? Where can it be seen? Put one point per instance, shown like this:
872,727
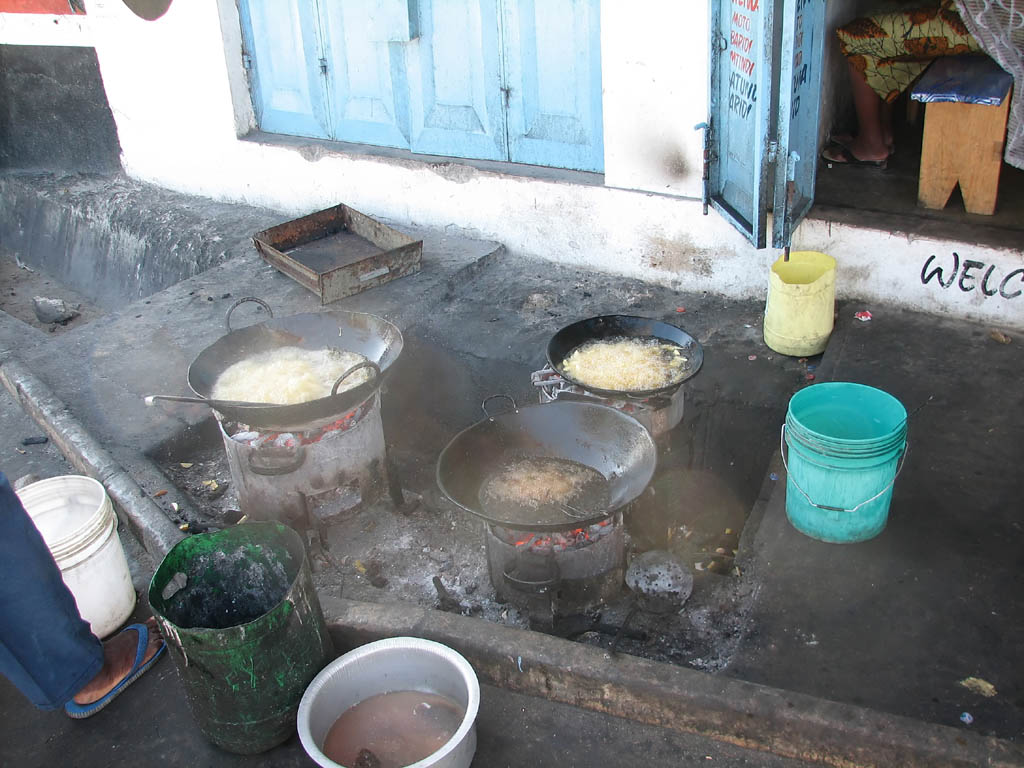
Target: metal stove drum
310,474
658,413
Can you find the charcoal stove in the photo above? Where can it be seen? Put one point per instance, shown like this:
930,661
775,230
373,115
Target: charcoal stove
658,413
305,463
556,560
313,474
552,574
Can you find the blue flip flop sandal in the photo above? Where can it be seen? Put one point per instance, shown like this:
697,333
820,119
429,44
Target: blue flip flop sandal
82,711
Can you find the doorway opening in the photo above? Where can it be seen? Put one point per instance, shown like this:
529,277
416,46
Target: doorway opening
870,197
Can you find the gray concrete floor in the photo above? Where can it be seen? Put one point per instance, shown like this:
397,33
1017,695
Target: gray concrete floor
891,624
896,623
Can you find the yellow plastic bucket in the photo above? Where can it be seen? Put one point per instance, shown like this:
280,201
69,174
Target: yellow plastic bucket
799,313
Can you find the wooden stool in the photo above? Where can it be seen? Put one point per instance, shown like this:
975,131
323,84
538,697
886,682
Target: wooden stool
967,102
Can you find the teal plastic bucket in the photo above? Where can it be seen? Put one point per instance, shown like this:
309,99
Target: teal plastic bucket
846,442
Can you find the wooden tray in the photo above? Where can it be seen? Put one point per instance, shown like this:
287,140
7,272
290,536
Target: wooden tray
339,251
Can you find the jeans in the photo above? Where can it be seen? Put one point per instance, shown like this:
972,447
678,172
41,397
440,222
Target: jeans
46,649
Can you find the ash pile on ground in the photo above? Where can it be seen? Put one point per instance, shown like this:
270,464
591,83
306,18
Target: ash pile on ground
432,554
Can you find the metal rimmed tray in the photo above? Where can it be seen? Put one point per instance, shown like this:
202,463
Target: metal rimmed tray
339,251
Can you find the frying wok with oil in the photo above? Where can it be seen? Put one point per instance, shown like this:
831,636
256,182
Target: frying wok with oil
607,440
373,337
572,336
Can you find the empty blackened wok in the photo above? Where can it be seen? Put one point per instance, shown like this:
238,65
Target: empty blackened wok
607,440
570,337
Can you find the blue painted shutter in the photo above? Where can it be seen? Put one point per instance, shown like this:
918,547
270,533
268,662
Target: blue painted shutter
803,30
366,76
288,87
455,99
553,76
740,113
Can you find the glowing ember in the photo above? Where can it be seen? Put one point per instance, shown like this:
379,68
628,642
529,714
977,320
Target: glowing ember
558,541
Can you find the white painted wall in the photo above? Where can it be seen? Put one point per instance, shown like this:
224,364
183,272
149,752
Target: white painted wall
178,94
654,66
45,29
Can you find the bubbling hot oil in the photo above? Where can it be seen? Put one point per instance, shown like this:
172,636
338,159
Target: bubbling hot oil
391,730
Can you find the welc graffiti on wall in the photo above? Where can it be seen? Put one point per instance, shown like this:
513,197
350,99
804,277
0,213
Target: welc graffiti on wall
987,278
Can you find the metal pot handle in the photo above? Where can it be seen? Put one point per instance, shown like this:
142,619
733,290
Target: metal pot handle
261,302
276,460
483,405
353,369
539,587
825,507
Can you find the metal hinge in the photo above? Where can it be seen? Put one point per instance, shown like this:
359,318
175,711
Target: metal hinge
246,61
773,151
791,161
323,66
706,171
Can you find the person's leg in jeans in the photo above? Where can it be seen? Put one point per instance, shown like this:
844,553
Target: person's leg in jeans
46,649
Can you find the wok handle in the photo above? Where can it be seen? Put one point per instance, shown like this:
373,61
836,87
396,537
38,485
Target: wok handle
353,369
261,302
483,405
151,399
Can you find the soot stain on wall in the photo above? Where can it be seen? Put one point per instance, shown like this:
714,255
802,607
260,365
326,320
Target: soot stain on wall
54,113
677,255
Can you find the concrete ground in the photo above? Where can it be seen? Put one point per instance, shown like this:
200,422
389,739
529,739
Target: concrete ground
841,654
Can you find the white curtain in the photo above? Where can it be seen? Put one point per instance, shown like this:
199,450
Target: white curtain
998,26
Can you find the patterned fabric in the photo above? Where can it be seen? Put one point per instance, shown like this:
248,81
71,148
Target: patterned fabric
892,49
998,26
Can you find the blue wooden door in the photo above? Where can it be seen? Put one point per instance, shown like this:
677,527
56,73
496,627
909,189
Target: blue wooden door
455,98
740,113
765,55
552,85
803,32
283,42
366,81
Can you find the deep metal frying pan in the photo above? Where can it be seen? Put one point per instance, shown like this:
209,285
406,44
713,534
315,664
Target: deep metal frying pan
613,443
375,338
608,326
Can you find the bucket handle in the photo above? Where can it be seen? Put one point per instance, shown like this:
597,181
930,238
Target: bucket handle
826,507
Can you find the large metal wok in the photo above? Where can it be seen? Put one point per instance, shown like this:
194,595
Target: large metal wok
607,440
375,338
609,326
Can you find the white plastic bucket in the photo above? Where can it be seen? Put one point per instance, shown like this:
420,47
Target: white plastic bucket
76,519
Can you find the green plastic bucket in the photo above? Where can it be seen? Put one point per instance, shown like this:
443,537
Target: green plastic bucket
846,442
243,624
